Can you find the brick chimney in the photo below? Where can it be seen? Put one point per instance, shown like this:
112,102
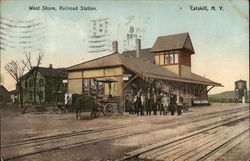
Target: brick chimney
115,46
138,47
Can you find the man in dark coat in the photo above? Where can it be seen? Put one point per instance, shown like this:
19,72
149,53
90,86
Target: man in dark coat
148,104
138,105
134,107
172,104
179,103
154,100
130,104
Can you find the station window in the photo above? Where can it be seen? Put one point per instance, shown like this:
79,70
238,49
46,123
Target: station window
100,88
176,58
171,58
92,87
167,59
86,86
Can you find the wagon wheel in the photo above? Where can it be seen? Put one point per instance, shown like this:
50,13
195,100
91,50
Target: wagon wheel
120,106
108,109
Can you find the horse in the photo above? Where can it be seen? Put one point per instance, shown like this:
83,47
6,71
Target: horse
83,102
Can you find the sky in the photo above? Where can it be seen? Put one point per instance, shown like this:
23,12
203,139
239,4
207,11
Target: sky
220,37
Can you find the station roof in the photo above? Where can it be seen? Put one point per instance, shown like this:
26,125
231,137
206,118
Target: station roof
145,54
143,68
173,42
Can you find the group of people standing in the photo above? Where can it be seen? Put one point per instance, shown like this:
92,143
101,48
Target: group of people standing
150,104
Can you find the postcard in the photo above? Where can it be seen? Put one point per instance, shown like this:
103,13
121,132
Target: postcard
124,80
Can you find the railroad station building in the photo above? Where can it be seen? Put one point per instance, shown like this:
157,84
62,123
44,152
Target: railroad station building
166,67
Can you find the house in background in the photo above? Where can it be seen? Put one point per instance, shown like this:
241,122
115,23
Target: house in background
14,96
164,67
50,86
4,95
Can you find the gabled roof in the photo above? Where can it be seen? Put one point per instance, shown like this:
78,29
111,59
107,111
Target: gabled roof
48,72
140,67
173,42
145,54
52,72
105,61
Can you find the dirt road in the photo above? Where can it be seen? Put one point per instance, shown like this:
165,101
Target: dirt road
48,136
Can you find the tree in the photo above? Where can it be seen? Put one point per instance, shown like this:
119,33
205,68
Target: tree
1,79
16,70
54,83
28,64
58,82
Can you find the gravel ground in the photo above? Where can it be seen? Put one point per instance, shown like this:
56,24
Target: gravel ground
16,126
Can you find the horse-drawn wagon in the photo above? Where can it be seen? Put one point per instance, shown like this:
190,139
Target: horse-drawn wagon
106,104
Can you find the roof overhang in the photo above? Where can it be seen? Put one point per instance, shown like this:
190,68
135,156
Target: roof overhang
182,80
174,79
174,50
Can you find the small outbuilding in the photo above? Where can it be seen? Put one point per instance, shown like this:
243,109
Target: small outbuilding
4,95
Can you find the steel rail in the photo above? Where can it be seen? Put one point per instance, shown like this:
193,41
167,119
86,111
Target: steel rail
95,141
222,146
182,138
99,140
84,132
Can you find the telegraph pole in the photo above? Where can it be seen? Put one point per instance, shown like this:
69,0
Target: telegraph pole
1,79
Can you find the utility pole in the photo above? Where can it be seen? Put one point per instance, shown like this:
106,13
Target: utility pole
1,79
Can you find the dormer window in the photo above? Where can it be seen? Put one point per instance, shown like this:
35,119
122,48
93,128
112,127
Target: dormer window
171,58
167,59
176,58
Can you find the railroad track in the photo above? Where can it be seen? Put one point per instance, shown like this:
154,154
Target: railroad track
200,145
39,148
84,132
